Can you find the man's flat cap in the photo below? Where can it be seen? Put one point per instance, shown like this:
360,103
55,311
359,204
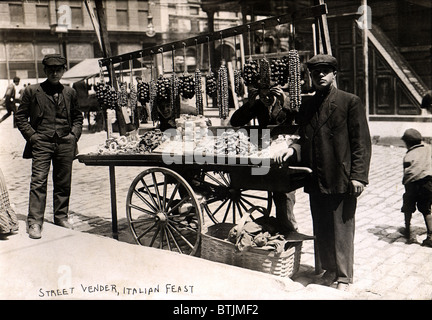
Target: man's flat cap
54,60
321,60
412,135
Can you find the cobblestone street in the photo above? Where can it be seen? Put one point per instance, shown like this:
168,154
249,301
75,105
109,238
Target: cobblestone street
386,266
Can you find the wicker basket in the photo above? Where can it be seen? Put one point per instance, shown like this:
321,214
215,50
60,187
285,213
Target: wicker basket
215,248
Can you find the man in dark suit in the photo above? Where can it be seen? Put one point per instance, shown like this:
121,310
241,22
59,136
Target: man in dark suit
335,143
50,121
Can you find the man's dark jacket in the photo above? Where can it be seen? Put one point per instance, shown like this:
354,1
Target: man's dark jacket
335,141
31,112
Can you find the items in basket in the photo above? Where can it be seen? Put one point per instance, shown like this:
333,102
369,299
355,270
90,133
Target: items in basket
261,233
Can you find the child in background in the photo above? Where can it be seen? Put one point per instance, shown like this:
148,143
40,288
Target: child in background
417,179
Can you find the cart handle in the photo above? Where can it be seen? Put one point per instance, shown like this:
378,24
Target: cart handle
303,169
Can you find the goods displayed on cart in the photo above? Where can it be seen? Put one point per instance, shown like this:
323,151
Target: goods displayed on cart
193,135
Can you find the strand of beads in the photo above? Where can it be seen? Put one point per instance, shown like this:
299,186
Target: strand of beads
238,83
222,92
152,97
133,95
294,83
133,99
198,92
265,73
174,101
122,95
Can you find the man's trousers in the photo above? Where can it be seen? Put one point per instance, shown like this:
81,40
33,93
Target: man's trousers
61,152
284,203
334,226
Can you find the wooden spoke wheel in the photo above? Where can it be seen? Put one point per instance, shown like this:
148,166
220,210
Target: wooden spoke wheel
163,211
223,203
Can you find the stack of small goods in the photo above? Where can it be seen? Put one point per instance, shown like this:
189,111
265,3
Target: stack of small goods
133,144
229,143
234,143
191,128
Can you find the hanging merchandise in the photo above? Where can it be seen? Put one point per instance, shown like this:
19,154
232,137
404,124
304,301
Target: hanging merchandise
223,88
133,96
198,87
251,72
265,70
294,82
163,84
174,88
153,93
250,69
187,86
223,92
143,91
279,71
238,83
186,81
265,73
211,86
143,88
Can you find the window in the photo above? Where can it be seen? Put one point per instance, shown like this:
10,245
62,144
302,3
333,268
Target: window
16,13
42,15
122,13
194,11
77,13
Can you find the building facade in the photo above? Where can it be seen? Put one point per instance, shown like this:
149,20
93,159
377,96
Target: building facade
32,28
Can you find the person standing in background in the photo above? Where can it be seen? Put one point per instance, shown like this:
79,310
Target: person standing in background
10,99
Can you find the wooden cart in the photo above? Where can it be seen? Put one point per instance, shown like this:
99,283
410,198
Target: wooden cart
169,205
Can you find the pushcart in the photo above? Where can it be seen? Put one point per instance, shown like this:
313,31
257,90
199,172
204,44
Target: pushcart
169,205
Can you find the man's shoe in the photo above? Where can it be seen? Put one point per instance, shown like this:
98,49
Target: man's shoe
63,223
427,243
327,278
34,231
342,286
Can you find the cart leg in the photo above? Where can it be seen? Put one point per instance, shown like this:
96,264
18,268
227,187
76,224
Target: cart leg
113,202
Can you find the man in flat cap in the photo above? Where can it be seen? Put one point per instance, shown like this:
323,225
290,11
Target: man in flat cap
50,121
335,143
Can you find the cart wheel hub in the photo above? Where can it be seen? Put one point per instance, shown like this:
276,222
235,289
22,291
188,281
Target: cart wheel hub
161,217
234,193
